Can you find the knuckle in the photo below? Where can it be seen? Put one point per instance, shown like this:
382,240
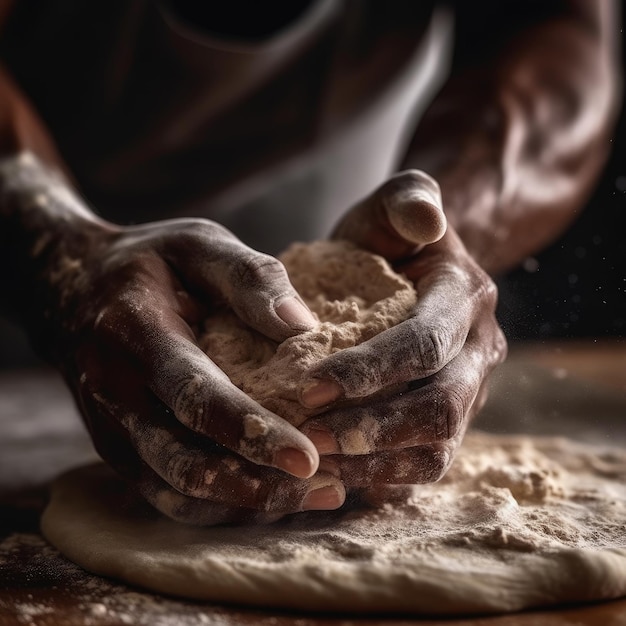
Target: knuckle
197,238
454,417
185,475
278,495
361,370
450,410
256,490
431,348
193,229
256,269
191,405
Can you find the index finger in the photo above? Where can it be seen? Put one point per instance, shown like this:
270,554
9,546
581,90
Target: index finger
415,348
200,394
204,400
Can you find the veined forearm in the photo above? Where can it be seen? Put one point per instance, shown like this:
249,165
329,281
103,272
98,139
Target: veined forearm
517,144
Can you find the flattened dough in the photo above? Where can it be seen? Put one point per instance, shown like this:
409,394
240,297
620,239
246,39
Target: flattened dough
517,522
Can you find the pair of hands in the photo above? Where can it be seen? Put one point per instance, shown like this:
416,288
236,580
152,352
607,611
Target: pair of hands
165,417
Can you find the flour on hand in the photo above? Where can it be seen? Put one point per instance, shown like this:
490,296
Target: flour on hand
517,522
354,294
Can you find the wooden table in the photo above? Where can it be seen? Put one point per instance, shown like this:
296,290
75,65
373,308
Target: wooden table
578,389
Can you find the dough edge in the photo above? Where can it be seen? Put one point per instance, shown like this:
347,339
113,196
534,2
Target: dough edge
89,529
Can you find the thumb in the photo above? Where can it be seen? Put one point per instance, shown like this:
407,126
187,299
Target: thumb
398,219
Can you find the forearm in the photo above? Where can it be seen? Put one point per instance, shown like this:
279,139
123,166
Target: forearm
43,223
517,141
46,230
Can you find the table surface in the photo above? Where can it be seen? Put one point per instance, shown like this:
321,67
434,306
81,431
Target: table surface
578,389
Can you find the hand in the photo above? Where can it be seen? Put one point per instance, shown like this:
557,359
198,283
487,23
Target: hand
418,384
159,411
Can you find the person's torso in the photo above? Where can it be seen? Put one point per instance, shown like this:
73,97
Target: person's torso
273,138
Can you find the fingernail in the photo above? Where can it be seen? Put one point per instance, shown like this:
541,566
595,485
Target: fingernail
324,498
323,441
295,314
297,462
319,392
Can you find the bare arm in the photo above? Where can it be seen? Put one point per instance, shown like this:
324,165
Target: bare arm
31,222
519,134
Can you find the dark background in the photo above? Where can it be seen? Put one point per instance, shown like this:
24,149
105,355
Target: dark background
576,288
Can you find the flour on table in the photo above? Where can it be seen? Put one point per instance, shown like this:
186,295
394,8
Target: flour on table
354,294
517,522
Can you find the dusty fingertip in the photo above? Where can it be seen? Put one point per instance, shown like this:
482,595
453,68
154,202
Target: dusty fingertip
299,463
418,219
296,314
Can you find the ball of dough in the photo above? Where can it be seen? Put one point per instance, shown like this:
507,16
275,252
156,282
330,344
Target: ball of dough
354,294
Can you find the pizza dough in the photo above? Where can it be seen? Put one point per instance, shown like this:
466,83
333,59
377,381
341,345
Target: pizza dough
517,522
